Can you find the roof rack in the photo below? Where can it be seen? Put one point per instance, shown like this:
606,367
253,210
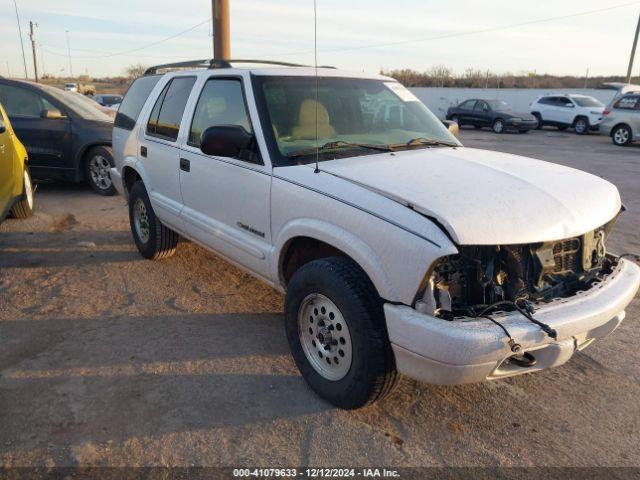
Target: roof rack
216,63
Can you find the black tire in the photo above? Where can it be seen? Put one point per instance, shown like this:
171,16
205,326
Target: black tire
372,374
160,241
581,125
96,162
498,126
24,207
539,120
622,135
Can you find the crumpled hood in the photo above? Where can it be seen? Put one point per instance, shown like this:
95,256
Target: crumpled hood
487,198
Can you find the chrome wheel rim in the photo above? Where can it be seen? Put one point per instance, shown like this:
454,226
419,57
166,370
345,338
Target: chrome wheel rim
498,127
325,337
99,168
621,136
28,189
141,220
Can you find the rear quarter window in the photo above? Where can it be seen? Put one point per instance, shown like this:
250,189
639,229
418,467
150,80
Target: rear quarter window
627,103
134,100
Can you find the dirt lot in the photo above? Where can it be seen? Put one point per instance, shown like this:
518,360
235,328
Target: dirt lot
109,359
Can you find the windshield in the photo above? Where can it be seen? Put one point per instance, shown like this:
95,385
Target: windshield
354,117
587,102
83,106
498,105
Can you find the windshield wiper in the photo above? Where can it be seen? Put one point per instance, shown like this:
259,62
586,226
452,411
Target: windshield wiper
336,145
418,141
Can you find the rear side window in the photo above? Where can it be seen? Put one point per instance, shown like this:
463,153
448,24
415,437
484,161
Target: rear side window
134,100
22,102
165,118
627,103
546,101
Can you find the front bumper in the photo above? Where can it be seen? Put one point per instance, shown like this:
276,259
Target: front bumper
522,125
444,352
116,179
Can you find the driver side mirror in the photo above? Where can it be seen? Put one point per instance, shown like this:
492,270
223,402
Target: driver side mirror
3,127
52,114
225,141
453,127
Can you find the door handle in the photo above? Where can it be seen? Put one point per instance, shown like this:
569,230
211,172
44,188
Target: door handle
143,152
185,165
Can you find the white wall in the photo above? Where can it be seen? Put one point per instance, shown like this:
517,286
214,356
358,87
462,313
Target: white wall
440,99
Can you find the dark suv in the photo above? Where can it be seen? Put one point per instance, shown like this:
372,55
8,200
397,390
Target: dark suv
66,135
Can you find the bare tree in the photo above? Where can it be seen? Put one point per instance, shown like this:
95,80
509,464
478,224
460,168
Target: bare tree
135,70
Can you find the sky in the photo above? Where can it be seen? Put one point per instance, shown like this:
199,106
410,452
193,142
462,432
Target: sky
362,35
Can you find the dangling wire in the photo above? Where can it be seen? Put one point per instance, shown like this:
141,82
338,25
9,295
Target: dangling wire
315,63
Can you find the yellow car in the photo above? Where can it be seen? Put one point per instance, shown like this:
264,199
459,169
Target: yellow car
16,191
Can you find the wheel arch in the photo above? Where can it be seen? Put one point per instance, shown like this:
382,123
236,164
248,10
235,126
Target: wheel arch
315,239
81,155
618,125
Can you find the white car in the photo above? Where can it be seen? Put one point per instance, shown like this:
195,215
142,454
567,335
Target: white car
399,250
581,112
71,87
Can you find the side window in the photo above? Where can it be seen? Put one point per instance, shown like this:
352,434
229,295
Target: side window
134,100
546,101
22,102
481,107
629,102
468,105
564,102
221,103
167,113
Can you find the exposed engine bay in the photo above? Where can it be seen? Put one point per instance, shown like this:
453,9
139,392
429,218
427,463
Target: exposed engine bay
479,276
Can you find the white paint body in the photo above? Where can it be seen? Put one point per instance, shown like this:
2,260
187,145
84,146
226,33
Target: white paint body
376,209
567,113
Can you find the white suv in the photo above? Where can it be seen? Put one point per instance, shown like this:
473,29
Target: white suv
581,112
398,249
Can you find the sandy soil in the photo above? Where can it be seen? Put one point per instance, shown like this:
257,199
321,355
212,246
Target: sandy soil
109,359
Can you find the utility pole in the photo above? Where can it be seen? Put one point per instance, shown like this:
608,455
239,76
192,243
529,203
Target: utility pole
8,70
42,59
220,16
33,50
69,53
586,79
633,51
24,58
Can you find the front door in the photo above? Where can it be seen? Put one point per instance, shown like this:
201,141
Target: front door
6,165
47,140
226,200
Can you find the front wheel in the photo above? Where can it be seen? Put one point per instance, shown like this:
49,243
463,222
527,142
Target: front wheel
337,333
498,126
153,239
581,126
97,165
24,207
621,136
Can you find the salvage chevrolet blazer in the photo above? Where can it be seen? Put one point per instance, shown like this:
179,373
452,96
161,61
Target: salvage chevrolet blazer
399,250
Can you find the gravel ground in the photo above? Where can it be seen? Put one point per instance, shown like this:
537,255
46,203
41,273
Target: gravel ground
109,359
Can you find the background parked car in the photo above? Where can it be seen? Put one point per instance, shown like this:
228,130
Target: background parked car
581,112
622,120
66,137
16,192
108,100
495,114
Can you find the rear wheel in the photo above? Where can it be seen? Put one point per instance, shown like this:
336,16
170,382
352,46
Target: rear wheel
153,239
621,135
337,333
498,126
98,162
25,206
581,125
540,124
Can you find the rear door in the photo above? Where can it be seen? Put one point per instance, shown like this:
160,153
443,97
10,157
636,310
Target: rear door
226,200
160,152
627,110
466,112
48,141
6,165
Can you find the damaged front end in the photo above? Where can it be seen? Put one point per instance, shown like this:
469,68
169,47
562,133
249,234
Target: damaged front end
466,284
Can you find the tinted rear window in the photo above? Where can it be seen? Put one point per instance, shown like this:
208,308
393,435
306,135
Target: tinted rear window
587,102
166,117
134,100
